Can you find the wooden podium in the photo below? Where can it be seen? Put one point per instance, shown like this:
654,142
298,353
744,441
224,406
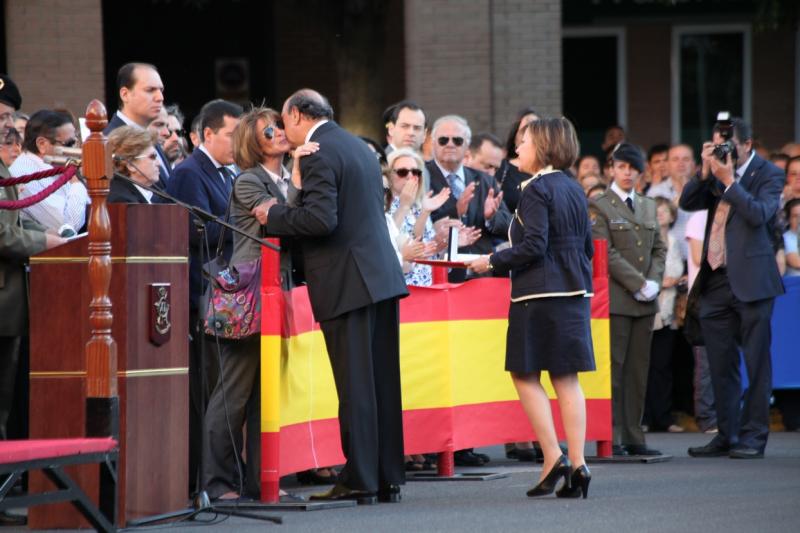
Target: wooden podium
149,293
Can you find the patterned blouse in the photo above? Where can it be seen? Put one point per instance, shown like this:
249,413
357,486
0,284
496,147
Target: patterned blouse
420,275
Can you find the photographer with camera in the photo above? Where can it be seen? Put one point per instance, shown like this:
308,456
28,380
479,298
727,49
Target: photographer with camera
737,283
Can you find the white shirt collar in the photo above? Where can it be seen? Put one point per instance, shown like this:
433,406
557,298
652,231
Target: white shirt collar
458,172
314,128
127,120
622,194
277,179
741,168
213,161
148,195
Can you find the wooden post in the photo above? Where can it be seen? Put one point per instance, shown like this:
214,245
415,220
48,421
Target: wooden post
102,402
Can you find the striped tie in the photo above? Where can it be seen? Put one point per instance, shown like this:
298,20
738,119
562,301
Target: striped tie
716,239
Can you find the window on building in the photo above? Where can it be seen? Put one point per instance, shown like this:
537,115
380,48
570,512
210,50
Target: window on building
712,70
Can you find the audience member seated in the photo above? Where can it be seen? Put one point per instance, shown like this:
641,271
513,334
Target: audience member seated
135,158
65,209
587,165
11,147
792,213
485,153
779,160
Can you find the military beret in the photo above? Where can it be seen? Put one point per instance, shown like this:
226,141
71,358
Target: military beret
629,154
9,93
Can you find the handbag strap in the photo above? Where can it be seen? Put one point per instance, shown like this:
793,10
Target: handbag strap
221,241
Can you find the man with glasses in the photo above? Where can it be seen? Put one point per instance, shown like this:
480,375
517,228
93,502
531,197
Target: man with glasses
475,199
175,145
64,211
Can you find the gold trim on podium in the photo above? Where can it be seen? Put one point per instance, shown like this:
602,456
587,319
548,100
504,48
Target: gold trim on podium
132,259
140,373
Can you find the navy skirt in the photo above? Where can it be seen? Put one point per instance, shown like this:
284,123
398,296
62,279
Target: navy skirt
552,334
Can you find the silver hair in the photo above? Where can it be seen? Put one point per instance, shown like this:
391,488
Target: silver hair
461,121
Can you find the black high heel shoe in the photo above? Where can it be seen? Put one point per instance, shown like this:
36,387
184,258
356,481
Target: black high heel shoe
579,484
548,484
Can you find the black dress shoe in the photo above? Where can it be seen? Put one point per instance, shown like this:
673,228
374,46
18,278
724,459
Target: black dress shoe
619,450
578,485
527,455
547,485
712,449
313,477
389,494
340,492
466,458
8,519
483,457
640,449
746,453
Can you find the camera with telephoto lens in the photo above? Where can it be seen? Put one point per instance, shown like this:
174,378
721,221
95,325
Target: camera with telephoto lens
724,126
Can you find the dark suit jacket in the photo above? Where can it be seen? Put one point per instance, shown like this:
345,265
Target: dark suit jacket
551,240
750,258
123,192
497,226
163,175
197,182
349,260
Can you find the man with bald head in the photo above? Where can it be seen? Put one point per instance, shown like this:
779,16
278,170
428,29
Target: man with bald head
354,283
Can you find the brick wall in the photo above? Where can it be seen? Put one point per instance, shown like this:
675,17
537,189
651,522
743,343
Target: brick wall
484,59
54,51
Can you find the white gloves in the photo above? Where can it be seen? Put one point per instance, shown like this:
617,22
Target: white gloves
648,292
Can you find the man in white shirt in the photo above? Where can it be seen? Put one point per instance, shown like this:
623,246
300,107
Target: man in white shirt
65,208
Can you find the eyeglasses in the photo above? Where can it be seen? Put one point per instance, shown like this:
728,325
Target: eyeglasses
180,132
403,172
458,141
269,131
69,143
151,156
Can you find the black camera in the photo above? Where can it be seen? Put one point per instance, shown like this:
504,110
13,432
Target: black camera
724,126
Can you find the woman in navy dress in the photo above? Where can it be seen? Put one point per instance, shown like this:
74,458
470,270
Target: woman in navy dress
549,320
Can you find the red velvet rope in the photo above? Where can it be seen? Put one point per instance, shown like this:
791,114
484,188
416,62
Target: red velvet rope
68,173
55,171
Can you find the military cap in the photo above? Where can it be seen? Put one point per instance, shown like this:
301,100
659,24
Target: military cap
9,93
629,154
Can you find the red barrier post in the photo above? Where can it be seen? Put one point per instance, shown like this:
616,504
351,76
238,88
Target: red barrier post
439,275
600,271
271,334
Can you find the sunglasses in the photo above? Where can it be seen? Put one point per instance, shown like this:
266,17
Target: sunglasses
69,143
180,132
269,131
458,141
403,172
151,156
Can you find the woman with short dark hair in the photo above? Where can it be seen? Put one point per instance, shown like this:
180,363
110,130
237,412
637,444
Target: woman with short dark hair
549,320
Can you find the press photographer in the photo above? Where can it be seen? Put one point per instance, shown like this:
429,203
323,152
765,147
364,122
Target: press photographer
737,283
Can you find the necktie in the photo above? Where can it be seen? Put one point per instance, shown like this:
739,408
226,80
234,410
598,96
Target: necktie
629,203
716,239
456,185
227,177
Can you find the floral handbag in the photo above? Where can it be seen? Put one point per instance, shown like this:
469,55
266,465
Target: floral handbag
234,305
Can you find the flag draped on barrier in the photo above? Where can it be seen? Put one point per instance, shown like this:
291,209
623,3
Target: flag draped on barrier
456,393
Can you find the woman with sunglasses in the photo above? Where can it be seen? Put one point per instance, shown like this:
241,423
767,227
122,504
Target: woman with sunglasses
65,209
549,321
135,159
259,146
411,209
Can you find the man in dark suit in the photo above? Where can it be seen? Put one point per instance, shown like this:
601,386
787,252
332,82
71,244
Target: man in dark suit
737,283
354,282
140,99
204,181
474,199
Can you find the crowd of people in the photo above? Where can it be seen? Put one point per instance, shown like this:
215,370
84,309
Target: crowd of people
661,211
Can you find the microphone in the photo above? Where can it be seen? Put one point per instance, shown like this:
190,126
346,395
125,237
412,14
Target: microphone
64,155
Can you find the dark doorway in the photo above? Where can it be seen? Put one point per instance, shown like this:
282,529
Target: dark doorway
590,87
203,49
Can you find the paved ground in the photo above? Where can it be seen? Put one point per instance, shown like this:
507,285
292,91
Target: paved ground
682,495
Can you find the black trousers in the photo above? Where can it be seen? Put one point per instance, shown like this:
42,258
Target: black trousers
658,404
203,375
235,400
9,359
363,346
729,324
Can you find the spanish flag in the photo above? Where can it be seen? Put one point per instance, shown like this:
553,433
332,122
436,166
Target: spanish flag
456,393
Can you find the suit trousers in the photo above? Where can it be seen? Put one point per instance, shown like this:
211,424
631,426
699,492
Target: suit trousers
729,324
234,400
9,359
704,413
630,360
203,375
363,347
658,404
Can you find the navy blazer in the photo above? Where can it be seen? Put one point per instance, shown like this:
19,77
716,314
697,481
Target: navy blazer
551,240
341,226
123,192
196,181
750,258
163,175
